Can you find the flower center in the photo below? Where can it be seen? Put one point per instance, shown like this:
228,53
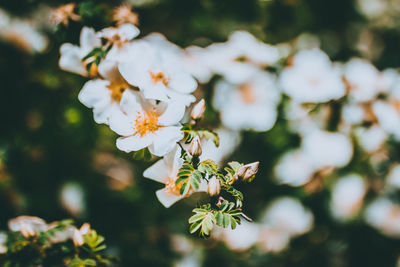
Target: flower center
146,122
247,93
117,89
159,77
172,187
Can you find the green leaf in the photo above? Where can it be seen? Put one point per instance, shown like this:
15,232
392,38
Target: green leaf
189,178
143,154
208,166
191,133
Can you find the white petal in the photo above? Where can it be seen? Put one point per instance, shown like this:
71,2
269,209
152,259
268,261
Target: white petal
159,172
182,82
173,114
89,39
133,143
71,59
130,103
128,31
93,92
120,123
166,198
165,140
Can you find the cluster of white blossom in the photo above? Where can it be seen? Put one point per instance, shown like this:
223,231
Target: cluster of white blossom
143,88
22,33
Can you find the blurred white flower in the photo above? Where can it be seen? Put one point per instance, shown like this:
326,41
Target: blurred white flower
197,62
104,95
288,215
384,215
325,149
22,33
145,123
165,171
72,55
363,80
371,139
312,78
393,178
72,198
228,142
27,225
3,241
242,238
241,56
272,240
294,168
388,114
248,106
347,196
157,77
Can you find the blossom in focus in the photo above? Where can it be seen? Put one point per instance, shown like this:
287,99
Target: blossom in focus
165,171
156,77
104,94
144,123
250,105
72,55
347,196
312,78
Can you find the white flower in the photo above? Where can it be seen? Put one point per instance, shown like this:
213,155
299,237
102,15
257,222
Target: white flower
393,178
250,105
312,78
242,238
371,139
145,123
72,198
241,56
363,80
27,225
197,61
384,215
165,171
325,149
353,113
294,168
118,37
72,55
156,77
3,238
228,142
288,215
272,240
104,95
388,115
347,196
23,34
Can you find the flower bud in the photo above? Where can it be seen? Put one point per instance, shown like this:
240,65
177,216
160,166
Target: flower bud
198,110
247,171
214,187
78,238
195,147
85,229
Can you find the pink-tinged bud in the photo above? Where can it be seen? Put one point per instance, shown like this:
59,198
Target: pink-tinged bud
195,147
198,110
78,238
247,171
214,186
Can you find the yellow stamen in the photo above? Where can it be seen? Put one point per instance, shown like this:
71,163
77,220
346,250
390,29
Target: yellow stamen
146,122
117,89
175,189
159,77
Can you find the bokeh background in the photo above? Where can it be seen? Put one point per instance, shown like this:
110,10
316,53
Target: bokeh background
51,150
